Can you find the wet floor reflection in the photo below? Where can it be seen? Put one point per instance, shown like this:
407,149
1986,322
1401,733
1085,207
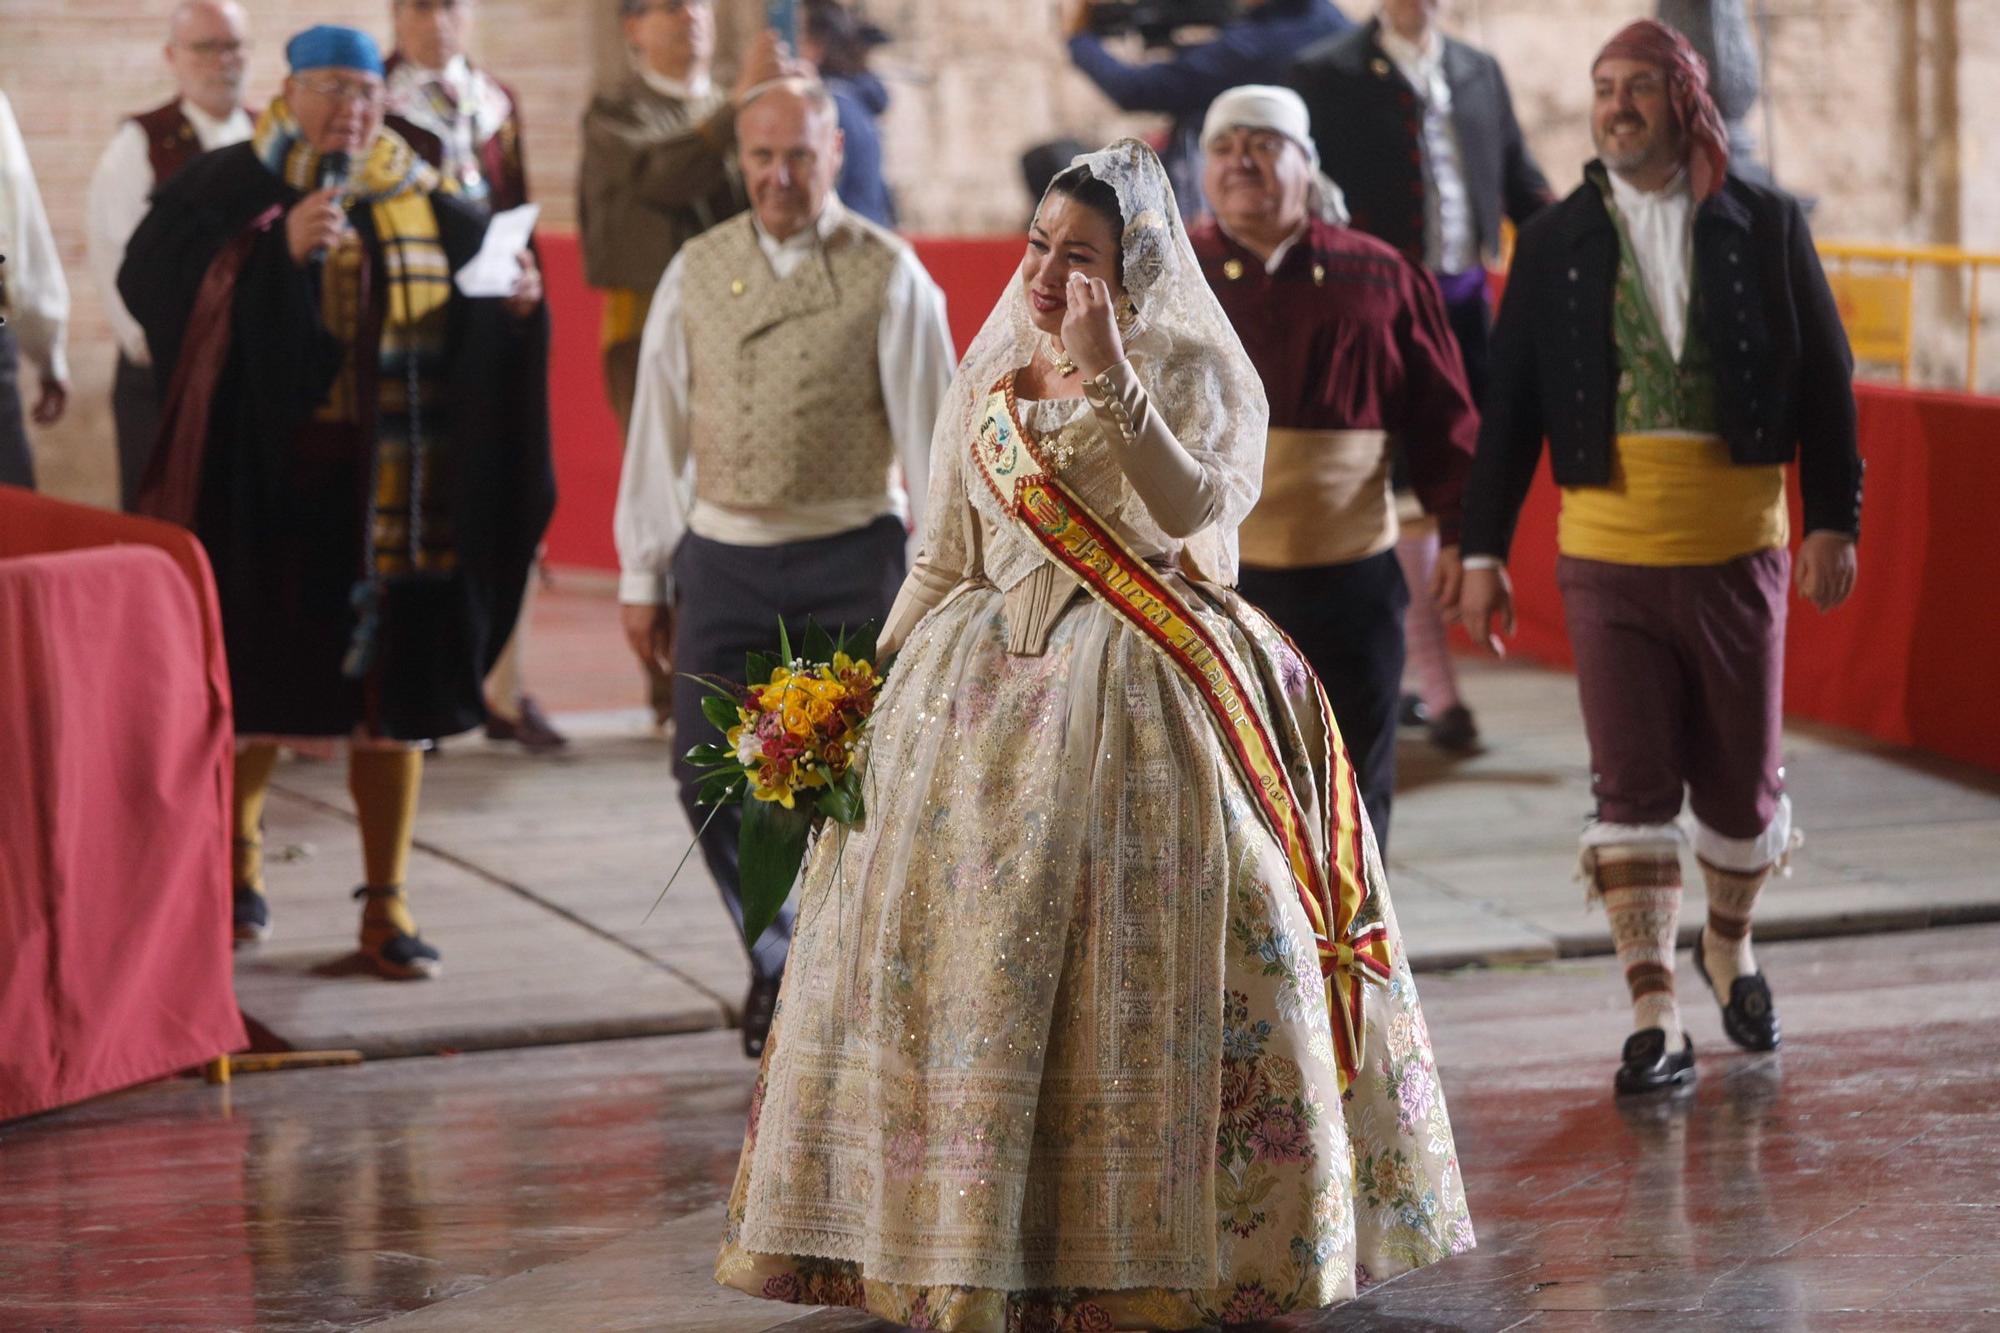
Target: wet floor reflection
1850,1183
381,1190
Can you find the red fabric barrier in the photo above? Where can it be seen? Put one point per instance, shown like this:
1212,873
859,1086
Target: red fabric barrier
1913,658
115,743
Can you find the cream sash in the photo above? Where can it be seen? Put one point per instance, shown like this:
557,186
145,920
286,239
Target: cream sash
1325,500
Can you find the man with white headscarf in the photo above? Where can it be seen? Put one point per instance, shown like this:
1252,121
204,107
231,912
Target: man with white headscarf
1354,349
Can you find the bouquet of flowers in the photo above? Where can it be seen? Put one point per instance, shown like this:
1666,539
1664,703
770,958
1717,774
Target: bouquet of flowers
791,751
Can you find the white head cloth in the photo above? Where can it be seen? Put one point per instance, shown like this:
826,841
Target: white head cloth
1265,106
1180,343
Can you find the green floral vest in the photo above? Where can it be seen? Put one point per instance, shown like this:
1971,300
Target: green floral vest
1654,394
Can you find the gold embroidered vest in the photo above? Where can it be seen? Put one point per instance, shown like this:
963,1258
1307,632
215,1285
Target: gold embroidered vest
785,387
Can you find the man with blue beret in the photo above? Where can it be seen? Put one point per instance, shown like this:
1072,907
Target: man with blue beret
362,448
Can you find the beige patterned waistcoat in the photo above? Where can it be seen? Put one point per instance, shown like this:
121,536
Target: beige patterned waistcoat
786,390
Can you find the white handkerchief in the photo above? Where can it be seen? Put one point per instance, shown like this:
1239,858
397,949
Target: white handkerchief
497,266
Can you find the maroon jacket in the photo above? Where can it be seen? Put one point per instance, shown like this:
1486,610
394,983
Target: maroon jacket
1350,335
171,142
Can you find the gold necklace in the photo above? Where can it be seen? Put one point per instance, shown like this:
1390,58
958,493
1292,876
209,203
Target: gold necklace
1058,358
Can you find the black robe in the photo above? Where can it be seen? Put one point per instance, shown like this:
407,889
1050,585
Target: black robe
284,524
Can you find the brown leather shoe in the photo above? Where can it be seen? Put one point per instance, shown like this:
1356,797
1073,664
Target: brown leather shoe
532,729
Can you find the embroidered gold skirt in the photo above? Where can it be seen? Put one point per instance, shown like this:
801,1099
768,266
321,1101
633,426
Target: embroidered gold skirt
1051,1048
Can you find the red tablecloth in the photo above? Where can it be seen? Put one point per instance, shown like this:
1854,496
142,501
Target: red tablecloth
115,744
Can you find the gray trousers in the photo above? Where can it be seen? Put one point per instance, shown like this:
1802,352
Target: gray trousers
731,599
17,466
135,408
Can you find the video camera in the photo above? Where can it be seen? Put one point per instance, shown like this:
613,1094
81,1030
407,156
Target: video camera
1156,21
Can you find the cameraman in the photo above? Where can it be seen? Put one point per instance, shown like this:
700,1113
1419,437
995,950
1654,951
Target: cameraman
1255,47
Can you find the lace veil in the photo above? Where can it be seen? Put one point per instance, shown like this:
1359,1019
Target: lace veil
1181,344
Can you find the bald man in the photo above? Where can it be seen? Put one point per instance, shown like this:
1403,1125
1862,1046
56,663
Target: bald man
208,42
737,508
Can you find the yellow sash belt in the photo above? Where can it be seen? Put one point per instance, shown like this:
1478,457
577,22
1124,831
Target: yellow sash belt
1675,500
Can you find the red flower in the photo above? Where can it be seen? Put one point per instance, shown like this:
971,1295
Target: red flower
1280,1136
1249,1302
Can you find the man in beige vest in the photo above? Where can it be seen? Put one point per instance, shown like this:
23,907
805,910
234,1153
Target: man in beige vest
790,373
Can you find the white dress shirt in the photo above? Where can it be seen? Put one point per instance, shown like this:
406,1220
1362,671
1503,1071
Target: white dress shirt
121,193
37,301
1660,224
682,90
656,504
1451,241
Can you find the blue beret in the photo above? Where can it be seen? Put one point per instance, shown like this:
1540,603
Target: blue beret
328,46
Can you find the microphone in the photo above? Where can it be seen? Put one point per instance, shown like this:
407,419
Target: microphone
333,169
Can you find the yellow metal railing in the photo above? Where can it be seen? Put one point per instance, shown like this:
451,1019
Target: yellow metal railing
1875,287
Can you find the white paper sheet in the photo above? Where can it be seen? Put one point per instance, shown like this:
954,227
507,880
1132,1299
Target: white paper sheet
497,266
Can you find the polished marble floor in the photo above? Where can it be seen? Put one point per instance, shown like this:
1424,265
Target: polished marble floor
1848,1183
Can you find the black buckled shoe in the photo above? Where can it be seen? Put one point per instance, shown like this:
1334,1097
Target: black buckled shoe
1645,1066
1411,711
1749,1017
250,915
758,1007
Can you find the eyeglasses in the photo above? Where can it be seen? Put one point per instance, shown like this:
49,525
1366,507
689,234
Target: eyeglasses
432,6
219,48
342,90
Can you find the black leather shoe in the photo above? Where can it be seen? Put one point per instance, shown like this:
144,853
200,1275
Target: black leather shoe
1748,1016
531,729
1646,1067
1411,712
251,915
758,1006
1454,731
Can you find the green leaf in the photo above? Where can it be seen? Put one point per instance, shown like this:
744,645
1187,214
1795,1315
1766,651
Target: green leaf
769,850
721,788
818,646
708,756
837,805
841,800
784,642
860,644
720,711
757,668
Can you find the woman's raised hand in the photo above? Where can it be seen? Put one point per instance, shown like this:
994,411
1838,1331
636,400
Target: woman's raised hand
1090,326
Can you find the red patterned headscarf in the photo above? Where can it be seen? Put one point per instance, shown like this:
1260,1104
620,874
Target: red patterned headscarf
1687,91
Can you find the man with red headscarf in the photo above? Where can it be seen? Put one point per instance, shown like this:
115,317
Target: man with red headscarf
1668,330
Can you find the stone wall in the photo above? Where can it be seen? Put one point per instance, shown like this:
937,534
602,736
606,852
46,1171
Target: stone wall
1883,113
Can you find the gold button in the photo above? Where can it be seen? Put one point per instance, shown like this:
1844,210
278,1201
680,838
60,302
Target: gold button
1380,66
736,286
1232,269
1319,275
